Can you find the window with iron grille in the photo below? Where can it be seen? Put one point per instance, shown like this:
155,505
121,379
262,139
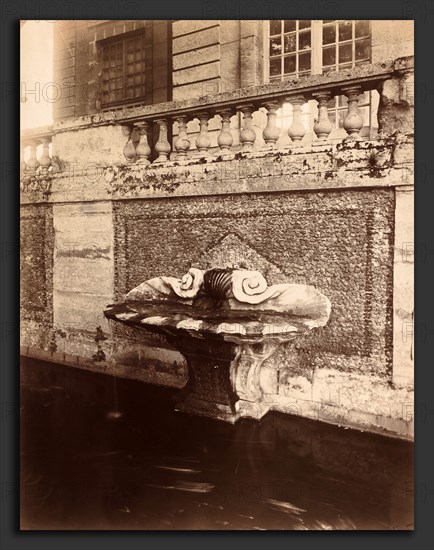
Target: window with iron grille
123,70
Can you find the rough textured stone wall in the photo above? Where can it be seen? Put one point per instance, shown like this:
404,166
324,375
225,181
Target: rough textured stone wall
36,272
340,241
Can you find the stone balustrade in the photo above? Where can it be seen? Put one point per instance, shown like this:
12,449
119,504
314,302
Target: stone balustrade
242,121
35,151
174,117
138,150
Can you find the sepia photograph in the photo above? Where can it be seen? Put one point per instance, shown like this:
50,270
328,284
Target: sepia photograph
216,275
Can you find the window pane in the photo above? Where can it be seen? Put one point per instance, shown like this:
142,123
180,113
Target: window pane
289,26
304,24
123,70
363,49
332,117
345,53
289,43
275,46
345,30
341,117
364,113
304,40
329,56
275,27
275,66
289,64
304,61
364,98
329,34
362,28
342,101
331,104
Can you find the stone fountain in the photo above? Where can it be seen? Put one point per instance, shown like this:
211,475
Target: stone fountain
226,323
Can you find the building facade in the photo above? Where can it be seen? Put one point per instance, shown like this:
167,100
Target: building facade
283,146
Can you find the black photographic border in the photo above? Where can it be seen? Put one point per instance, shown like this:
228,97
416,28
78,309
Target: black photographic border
422,12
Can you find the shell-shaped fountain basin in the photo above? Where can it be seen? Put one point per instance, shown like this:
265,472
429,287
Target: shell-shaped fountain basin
233,304
226,323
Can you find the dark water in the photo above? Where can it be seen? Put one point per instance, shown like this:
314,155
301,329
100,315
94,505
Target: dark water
103,454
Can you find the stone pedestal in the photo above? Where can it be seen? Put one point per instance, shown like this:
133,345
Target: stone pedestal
209,391
224,377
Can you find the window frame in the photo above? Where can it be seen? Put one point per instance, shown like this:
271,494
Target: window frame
123,38
353,40
316,47
296,52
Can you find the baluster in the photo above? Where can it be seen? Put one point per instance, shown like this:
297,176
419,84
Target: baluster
32,163
203,142
45,159
271,132
129,149
322,126
182,143
297,130
225,138
247,134
162,147
143,151
353,121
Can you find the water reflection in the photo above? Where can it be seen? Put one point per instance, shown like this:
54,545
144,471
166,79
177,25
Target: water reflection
153,468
